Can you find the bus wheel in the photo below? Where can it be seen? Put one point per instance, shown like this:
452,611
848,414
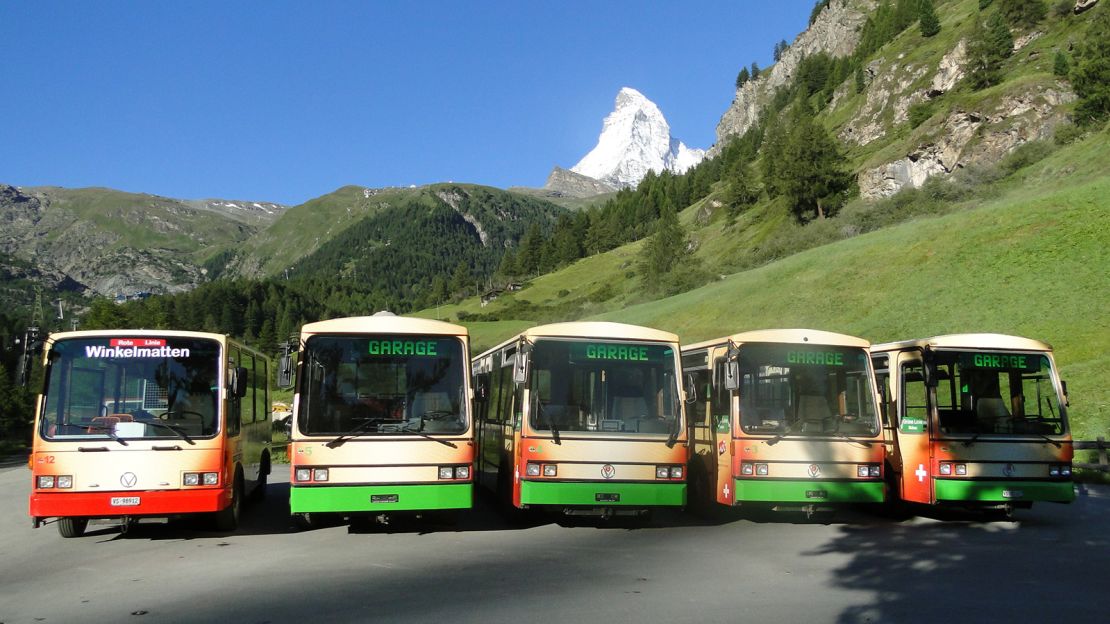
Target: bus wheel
228,518
72,527
303,521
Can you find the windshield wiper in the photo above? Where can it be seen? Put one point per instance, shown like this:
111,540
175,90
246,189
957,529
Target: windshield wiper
181,434
363,426
972,440
789,429
550,423
673,438
420,432
109,431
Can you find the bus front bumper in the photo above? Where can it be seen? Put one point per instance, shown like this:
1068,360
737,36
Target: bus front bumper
602,494
963,490
809,492
380,498
117,504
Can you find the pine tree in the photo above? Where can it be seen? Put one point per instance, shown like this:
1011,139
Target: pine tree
742,191
929,22
1060,64
1091,75
1023,13
755,70
811,174
861,84
989,45
984,4
742,77
662,250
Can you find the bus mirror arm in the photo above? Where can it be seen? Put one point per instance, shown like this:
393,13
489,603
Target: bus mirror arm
690,394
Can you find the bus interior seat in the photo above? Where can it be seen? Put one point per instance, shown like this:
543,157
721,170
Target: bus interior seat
813,412
629,407
991,410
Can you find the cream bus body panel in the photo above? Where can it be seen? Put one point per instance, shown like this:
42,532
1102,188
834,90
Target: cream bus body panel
380,472
995,468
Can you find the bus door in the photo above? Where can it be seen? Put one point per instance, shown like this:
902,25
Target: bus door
703,456
913,434
720,425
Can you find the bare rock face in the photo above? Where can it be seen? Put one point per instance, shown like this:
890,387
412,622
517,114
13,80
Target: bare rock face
570,184
1083,5
968,137
835,31
950,70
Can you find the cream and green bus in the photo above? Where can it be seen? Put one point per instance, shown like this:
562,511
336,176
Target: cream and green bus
978,420
381,419
783,417
583,418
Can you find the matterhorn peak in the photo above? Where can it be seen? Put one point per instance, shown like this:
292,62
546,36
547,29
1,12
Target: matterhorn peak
635,138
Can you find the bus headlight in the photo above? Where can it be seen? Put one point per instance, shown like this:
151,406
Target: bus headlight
319,474
303,474
1065,471
861,470
747,469
45,482
961,470
191,478
462,472
211,478
762,469
533,470
446,472
64,482
550,470
676,472
945,468
662,472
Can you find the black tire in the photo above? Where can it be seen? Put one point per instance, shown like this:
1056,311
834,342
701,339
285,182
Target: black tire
72,527
227,519
259,493
304,521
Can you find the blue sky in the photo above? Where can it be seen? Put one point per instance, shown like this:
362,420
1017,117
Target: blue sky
286,101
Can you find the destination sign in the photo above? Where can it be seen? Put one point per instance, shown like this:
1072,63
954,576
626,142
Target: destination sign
121,351
421,348
619,352
828,358
1008,361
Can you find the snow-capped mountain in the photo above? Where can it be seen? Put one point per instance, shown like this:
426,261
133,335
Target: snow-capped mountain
635,139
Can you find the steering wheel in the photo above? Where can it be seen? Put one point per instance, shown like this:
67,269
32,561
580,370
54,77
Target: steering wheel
167,415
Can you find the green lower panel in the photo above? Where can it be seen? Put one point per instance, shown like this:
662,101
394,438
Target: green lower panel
1003,491
357,497
587,494
763,491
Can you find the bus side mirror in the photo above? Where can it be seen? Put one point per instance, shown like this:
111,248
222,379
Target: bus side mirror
691,390
929,369
239,381
285,372
520,364
732,375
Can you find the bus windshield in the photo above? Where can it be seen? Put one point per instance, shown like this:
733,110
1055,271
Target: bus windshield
806,390
603,387
131,388
382,384
997,392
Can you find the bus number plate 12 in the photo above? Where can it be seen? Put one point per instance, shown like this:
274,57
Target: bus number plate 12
124,501
383,498
608,498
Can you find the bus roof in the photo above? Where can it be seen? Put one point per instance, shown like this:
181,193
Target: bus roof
604,330
383,324
152,333
785,336
968,341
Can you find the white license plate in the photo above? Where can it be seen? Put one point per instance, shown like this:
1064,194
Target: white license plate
1012,494
124,501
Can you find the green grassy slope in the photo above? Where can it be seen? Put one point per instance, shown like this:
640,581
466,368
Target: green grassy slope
1035,267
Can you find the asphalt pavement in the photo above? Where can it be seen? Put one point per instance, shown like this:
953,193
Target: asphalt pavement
750,566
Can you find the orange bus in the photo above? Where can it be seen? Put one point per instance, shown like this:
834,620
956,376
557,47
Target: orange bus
381,419
584,418
784,417
978,420
136,423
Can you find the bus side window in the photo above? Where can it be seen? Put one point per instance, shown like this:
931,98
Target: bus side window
234,403
914,394
720,397
246,408
881,364
699,416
